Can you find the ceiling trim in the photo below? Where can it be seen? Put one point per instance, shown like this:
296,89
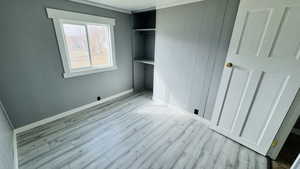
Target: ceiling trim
87,2
144,10
161,6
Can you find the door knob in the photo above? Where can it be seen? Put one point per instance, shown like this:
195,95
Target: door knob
229,65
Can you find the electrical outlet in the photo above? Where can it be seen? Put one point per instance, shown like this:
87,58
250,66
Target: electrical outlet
98,98
196,111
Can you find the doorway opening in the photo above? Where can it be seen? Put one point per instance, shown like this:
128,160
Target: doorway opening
290,149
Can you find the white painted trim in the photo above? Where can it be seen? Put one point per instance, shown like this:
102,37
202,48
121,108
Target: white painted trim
87,72
180,110
15,150
168,5
70,112
159,101
159,6
61,14
87,2
296,131
61,17
143,10
199,118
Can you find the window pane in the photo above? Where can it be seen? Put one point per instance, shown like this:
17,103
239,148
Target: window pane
77,45
99,44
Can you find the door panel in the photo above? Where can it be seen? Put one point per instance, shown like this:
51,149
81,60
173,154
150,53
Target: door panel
279,110
252,32
287,44
259,112
233,97
259,86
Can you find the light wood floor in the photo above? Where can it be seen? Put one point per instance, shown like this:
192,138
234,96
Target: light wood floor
132,133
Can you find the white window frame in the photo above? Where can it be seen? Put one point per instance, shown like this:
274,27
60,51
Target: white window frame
61,17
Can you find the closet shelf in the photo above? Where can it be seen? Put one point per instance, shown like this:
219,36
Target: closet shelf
145,61
144,30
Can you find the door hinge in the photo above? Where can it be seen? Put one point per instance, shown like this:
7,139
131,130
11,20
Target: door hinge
274,143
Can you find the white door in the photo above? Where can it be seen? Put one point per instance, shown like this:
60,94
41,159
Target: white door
262,72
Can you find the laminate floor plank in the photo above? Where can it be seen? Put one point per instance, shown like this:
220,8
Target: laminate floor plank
146,151
81,142
105,160
56,138
188,154
140,149
131,133
152,156
80,146
92,124
79,118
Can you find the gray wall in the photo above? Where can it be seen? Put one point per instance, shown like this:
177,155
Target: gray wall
191,46
31,85
6,142
148,75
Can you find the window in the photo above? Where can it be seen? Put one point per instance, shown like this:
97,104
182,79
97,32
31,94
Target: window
86,42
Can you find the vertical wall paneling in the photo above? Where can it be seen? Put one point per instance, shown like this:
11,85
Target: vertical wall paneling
191,46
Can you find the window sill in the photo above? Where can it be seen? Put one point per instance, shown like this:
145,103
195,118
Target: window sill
87,72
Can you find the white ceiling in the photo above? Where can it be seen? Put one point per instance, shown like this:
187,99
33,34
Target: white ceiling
134,5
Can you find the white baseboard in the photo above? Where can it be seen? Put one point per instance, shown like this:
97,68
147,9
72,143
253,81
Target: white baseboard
201,119
69,112
159,101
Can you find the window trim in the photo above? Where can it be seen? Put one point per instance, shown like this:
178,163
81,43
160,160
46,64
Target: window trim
61,17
